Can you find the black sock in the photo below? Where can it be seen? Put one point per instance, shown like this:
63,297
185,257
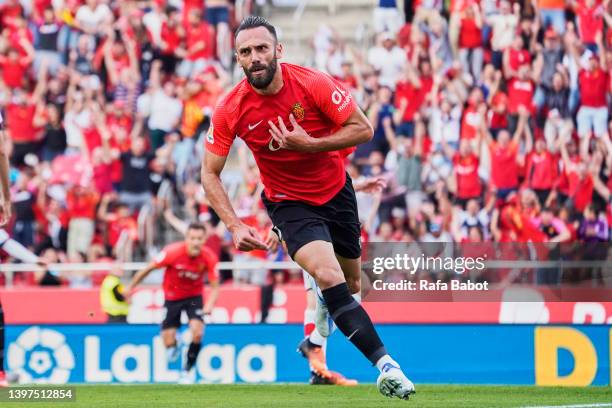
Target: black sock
192,355
267,296
353,322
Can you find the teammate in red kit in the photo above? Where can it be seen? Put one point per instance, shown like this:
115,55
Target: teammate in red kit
307,192
185,265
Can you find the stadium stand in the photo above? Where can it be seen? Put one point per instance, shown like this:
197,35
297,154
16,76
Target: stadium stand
491,120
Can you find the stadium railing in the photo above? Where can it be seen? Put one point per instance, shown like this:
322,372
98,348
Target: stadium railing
9,269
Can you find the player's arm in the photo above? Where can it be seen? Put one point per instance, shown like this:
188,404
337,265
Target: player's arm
140,275
175,222
339,106
245,238
212,297
219,140
213,280
371,185
5,200
355,130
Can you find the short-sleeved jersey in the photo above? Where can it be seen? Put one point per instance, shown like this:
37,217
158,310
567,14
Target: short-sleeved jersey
184,275
320,105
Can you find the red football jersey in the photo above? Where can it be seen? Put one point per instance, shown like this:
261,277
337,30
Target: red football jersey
466,172
541,170
520,93
320,105
594,87
504,169
184,275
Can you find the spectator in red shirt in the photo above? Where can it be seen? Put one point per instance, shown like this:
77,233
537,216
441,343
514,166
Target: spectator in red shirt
594,84
410,95
515,57
541,173
24,122
81,202
15,67
103,159
199,46
590,22
520,95
465,171
170,36
580,182
471,52
20,37
121,228
472,116
9,11
504,157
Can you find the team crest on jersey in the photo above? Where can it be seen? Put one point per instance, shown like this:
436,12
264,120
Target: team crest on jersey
210,137
298,111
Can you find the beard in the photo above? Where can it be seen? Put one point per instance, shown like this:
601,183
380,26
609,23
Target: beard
261,82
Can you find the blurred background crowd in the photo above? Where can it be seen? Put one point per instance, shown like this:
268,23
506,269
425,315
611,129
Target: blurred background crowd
491,122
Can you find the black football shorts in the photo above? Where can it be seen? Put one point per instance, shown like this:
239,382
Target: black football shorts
193,306
336,221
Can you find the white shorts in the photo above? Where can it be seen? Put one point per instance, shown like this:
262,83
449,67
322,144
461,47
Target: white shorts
592,119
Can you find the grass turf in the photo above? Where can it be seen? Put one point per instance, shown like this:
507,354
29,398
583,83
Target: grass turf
300,395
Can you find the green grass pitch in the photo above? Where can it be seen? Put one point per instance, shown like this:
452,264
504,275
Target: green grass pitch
300,395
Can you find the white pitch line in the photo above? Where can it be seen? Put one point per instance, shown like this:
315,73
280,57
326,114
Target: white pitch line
596,405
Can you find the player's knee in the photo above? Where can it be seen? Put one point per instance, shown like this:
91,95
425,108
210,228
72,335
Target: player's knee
197,333
169,339
328,276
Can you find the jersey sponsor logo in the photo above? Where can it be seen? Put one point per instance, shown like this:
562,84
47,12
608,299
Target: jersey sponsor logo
341,97
298,111
253,126
189,275
337,96
210,137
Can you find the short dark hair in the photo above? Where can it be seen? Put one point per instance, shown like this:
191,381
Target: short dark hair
171,9
196,226
256,21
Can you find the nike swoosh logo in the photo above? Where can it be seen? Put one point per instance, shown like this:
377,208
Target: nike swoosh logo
251,127
352,334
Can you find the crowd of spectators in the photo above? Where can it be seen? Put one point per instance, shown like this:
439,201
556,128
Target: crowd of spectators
103,103
491,122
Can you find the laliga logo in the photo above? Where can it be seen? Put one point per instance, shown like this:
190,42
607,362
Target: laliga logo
217,363
41,356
